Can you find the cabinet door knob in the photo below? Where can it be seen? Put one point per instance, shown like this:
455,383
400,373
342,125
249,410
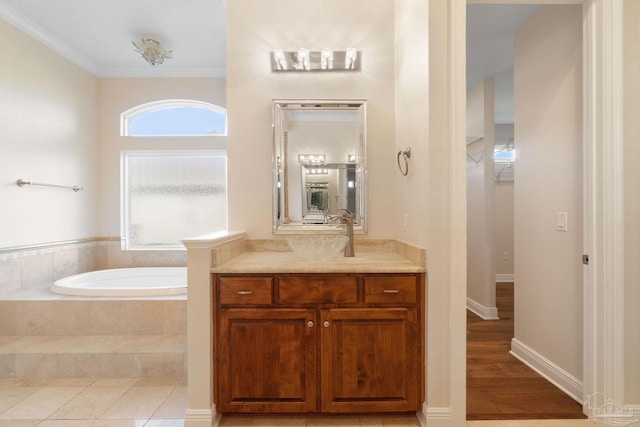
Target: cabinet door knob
310,324
326,324
245,292
391,291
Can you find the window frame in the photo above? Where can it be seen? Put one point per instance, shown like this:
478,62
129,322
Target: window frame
127,116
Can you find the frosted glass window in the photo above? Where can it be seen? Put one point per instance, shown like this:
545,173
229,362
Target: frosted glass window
172,195
174,117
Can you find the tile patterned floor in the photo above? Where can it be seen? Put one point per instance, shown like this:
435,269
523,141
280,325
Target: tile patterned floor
104,402
133,402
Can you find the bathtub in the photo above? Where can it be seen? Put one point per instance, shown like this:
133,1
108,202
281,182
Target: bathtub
125,282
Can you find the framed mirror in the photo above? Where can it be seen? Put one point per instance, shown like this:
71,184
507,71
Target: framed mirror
319,164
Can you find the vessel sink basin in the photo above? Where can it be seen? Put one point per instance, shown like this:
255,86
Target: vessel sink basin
318,247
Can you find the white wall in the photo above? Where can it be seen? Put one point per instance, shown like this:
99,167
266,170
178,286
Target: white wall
632,201
252,86
412,120
413,192
118,95
481,278
48,133
548,131
503,217
425,195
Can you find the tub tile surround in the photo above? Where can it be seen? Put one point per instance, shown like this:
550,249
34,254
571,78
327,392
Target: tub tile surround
33,267
234,251
44,335
81,338
68,317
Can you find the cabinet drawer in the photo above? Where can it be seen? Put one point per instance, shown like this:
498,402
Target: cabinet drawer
318,289
245,290
390,289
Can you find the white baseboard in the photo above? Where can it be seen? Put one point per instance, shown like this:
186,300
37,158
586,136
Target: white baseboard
606,412
487,313
202,417
504,278
553,373
435,417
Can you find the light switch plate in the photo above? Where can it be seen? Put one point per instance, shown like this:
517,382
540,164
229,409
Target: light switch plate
561,221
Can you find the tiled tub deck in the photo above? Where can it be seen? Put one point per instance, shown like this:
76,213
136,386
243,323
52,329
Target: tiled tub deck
43,335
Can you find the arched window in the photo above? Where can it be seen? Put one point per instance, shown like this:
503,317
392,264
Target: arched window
172,194
174,117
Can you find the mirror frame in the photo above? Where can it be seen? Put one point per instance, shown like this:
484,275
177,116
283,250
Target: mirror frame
281,107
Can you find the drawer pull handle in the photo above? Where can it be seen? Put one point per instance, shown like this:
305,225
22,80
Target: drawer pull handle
245,292
310,324
390,291
326,324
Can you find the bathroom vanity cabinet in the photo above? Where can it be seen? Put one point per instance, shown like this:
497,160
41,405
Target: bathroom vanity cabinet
318,343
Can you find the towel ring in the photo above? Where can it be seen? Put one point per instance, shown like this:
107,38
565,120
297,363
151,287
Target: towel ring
406,155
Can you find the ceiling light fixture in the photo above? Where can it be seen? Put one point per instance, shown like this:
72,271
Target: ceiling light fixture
152,50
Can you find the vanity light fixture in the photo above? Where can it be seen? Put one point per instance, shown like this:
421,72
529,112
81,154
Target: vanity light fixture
326,59
350,58
278,60
304,59
311,159
317,171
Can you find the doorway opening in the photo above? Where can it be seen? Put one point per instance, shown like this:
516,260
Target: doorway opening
535,110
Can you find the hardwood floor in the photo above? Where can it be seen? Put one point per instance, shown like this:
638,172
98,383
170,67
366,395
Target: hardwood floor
499,386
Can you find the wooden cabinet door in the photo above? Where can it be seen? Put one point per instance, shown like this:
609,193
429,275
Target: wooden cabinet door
267,360
369,360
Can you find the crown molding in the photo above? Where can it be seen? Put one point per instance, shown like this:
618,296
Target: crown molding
63,49
27,26
163,71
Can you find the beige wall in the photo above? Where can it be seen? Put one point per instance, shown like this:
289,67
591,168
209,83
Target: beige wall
412,121
632,200
252,86
48,133
503,217
118,95
61,125
481,278
475,112
548,131
444,376
424,195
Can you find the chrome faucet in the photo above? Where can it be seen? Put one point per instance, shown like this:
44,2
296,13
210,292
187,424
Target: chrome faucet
347,219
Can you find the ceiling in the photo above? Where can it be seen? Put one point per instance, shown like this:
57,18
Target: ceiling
98,35
490,31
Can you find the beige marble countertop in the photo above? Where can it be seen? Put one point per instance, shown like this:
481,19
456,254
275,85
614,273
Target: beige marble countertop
290,262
